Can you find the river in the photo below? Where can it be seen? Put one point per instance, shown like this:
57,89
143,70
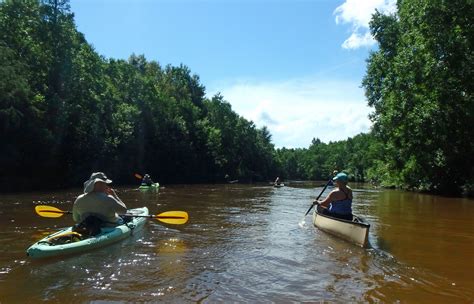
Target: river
243,244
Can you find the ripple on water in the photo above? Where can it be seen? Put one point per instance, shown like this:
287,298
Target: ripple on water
242,244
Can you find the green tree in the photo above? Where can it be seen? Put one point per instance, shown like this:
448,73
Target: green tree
419,83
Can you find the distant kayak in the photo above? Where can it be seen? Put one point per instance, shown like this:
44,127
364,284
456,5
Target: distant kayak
47,246
278,185
152,186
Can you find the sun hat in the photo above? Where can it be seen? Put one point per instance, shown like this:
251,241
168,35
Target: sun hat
341,176
95,177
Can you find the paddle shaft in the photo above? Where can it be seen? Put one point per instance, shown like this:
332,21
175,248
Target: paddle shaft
128,215
154,216
59,212
312,205
169,217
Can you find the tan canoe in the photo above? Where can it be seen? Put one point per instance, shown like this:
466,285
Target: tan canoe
355,231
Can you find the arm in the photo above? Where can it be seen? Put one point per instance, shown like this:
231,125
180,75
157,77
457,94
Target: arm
76,216
119,206
325,202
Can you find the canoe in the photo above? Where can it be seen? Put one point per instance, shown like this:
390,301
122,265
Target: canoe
108,235
153,186
355,231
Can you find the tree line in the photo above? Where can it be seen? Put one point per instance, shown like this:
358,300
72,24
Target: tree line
66,111
355,156
419,84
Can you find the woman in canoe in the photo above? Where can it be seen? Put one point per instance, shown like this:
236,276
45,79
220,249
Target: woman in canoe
339,201
99,205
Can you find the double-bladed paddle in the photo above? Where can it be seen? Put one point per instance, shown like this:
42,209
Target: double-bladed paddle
168,217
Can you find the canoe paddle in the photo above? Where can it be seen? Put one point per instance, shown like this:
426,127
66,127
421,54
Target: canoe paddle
168,217
312,205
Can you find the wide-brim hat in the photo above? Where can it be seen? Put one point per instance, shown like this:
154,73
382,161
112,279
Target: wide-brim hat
95,177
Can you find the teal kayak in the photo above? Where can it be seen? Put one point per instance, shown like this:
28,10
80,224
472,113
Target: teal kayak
146,187
108,235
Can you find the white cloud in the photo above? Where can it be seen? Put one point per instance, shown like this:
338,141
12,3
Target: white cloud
298,110
358,13
357,40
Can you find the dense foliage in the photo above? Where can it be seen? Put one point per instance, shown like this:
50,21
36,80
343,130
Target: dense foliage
420,84
65,111
356,156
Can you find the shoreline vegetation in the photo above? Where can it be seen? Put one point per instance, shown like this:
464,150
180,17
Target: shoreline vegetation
67,111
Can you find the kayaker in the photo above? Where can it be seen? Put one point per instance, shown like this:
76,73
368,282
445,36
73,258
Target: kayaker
147,181
277,181
99,201
339,201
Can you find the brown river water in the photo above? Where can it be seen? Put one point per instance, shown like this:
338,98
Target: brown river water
243,243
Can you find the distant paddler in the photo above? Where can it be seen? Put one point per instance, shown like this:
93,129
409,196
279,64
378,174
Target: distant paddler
277,183
227,177
147,181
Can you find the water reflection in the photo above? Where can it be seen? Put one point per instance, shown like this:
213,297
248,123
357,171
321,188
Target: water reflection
243,244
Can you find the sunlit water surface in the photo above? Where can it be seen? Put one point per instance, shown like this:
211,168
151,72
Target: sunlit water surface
243,243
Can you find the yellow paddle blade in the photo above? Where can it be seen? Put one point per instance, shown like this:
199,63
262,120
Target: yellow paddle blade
173,217
138,176
48,211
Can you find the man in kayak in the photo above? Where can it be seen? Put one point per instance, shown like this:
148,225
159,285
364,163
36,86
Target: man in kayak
99,203
339,201
277,181
147,181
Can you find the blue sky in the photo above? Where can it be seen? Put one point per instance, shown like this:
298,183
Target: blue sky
294,66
